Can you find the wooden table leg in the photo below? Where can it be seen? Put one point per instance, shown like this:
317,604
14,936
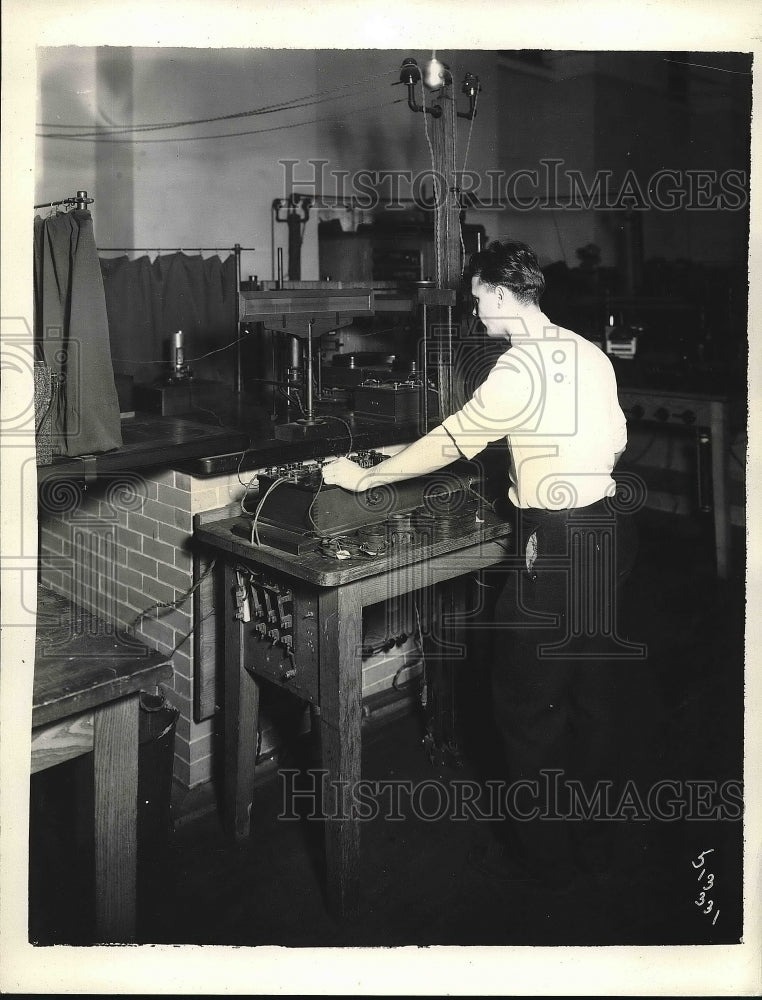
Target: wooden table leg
340,720
115,760
241,722
445,652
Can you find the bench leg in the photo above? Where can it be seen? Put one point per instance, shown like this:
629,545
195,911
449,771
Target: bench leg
115,759
341,718
241,723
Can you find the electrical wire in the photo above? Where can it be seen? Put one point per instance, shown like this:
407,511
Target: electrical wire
246,488
470,130
172,605
197,408
302,101
436,188
558,233
192,630
222,135
331,416
489,503
200,357
320,484
312,504
452,189
419,643
271,487
244,453
128,129
463,174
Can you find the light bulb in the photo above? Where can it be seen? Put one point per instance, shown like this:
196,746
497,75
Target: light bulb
434,73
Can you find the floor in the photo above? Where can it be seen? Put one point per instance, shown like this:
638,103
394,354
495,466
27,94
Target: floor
419,883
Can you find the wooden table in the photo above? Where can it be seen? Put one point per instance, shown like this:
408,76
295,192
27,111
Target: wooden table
87,680
326,602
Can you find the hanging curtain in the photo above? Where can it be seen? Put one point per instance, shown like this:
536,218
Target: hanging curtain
148,302
72,335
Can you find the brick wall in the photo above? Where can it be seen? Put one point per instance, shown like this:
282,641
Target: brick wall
124,545
119,548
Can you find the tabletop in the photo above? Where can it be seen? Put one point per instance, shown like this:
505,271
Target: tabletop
231,535
82,661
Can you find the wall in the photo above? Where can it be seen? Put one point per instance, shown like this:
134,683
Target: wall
165,192
623,111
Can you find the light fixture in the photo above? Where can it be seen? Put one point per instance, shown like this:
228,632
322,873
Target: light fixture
437,76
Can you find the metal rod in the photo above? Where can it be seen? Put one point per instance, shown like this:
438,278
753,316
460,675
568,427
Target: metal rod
448,401
238,360
80,200
425,366
310,414
233,249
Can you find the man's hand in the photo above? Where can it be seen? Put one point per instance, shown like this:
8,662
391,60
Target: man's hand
348,475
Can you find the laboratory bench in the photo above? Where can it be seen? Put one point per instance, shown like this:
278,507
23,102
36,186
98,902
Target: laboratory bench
211,443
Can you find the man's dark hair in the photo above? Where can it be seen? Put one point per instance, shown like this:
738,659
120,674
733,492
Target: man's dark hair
513,265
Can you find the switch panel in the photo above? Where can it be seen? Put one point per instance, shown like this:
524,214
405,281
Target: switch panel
280,631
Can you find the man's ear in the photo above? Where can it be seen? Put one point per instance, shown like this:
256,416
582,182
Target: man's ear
500,293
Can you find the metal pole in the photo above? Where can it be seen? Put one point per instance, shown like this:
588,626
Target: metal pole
310,415
238,359
425,367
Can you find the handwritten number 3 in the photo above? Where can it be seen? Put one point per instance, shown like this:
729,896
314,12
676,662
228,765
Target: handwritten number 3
701,899
710,881
709,906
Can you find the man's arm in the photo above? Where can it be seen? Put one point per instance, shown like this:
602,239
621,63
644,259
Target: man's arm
429,453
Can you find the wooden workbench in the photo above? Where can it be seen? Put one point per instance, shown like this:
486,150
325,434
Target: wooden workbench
328,600
87,681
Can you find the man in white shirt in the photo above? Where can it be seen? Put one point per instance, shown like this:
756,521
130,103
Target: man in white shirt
552,395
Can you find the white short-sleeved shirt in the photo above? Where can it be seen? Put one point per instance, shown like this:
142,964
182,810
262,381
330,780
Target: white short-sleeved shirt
554,399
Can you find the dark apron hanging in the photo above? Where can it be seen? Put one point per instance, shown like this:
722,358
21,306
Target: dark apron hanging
72,337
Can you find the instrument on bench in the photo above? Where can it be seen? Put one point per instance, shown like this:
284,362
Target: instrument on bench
297,512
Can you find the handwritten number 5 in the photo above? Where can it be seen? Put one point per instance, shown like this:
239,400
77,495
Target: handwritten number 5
700,860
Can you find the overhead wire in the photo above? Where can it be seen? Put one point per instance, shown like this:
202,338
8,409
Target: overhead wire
463,172
436,188
304,100
221,135
105,131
